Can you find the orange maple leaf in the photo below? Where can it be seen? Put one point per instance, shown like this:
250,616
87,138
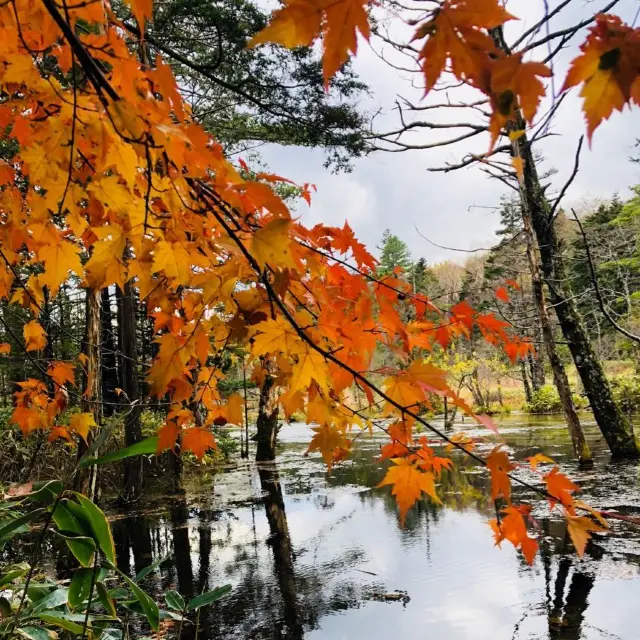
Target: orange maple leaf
455,34
167,436
608,69
35,338
299,22
513,84
502,294
409,483
5,348
560,487
539,458
499,465
61,372
235,409
198,440
512,527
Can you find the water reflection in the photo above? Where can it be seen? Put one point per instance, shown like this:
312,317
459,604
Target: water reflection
318,556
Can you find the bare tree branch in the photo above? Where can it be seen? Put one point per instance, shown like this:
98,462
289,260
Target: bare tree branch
596,286
576,165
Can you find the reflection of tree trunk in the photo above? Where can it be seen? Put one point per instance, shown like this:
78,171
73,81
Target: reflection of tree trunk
204,551
85,479
280,542
182,547
120,532
267,422
140,536
567,624
577,603
128,355
580,446
132,534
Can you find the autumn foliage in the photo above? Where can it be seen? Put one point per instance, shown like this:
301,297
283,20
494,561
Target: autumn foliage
114,182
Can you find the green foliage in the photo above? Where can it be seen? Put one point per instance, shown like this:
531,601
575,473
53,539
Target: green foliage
545,400
257,95
626,391
38,608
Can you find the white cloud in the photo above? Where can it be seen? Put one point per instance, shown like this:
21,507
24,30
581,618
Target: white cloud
395,190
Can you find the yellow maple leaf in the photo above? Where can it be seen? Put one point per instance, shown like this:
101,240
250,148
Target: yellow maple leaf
58,259
310,366
35,338
104,267
296,24
81,423
409,483
326,440
124,158
272,244
275,336
580,528
174,260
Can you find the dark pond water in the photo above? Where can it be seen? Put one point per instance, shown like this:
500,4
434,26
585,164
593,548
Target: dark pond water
314,555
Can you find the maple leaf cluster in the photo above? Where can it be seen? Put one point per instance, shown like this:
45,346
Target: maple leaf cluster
114,182
460,37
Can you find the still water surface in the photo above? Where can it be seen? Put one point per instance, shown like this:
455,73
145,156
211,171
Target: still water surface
322,556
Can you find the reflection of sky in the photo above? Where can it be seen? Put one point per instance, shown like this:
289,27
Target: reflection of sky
461,587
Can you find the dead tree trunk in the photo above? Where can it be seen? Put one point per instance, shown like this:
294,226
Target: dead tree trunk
580,446
132,484
614,426
85,479
267,422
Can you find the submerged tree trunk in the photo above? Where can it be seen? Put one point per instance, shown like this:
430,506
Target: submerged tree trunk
580,446
267,422
614,426
132,485
85,479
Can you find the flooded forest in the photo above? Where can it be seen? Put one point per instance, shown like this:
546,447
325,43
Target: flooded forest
319,319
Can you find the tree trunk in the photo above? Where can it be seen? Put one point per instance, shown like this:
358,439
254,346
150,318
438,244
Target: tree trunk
525,382
132,484
580,446
267,422
85,479
109,362
536,366
614,426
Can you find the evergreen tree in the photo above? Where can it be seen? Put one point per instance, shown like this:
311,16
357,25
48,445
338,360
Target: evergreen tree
423,279
393,253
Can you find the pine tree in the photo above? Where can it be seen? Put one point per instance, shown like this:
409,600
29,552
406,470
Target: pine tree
394,252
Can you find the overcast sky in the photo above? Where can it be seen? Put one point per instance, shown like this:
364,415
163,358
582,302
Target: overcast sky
395,190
